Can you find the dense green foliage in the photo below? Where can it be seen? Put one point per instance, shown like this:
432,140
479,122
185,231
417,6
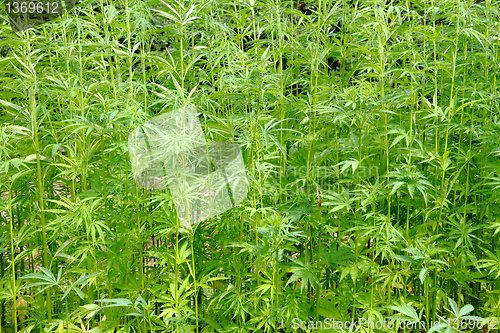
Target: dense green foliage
370,132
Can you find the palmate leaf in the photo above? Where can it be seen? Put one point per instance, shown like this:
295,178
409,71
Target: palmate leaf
304,273
47,276
352,162
408,311
459,315
263,288
395,186
340,257
81,281
413,180
298,209
340,201
492,262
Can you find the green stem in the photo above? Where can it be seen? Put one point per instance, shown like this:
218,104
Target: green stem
12,251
